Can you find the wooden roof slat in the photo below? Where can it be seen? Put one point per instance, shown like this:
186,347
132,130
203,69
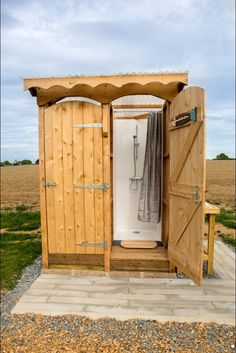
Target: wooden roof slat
105,89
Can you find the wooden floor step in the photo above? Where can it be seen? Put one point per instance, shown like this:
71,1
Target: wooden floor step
139,265
139,259
139,256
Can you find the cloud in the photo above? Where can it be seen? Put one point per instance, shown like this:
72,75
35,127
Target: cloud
47,38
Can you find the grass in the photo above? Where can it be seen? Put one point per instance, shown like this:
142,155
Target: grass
227,218
20,219
21,207
18,250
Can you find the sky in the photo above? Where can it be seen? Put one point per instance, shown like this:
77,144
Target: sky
43,38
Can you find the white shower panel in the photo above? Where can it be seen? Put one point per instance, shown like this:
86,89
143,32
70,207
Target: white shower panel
125,200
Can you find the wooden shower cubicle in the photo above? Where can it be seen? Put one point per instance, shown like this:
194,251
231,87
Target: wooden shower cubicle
76,121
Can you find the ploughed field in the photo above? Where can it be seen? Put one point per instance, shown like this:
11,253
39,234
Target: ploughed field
20,184
220,183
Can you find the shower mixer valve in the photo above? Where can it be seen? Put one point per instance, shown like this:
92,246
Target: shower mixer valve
135,178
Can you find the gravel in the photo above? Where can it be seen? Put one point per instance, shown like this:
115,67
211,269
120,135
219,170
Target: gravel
213,275
8,300
38,333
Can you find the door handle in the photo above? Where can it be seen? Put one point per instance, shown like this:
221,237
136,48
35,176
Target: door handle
196,193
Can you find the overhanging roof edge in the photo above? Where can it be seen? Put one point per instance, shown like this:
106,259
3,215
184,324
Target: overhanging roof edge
117,80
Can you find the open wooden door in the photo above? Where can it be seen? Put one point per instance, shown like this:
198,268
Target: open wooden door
187,182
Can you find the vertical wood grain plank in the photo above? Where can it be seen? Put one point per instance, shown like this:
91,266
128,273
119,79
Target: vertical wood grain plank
107,195
111,173
211,239
58,178
67,111
43,204
166,175
78,163
201,176
184,176
98,179
49,175
89,201
193,168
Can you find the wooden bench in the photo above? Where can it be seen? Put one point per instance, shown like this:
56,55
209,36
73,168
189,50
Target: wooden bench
210,211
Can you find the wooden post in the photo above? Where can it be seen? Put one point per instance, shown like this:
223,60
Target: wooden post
165,176
41,187
211,239
107,179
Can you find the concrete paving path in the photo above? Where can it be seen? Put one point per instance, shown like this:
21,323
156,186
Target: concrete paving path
146,298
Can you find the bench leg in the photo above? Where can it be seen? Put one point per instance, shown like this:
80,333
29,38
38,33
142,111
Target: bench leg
211,239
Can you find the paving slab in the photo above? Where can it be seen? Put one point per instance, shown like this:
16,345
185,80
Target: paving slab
163,299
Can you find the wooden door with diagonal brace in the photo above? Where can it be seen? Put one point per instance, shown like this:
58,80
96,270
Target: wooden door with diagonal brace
187,184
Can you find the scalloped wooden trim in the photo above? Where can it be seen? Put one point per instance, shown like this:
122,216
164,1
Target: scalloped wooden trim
106,93
115,80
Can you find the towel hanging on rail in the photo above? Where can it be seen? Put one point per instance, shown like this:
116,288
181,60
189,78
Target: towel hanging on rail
149,209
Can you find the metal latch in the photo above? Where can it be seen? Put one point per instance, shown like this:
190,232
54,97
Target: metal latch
103,186
196,192
88,125
96,245
49,184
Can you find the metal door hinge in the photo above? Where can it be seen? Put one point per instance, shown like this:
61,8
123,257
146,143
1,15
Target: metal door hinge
103,186
96,245
49,184
89,125
196,192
